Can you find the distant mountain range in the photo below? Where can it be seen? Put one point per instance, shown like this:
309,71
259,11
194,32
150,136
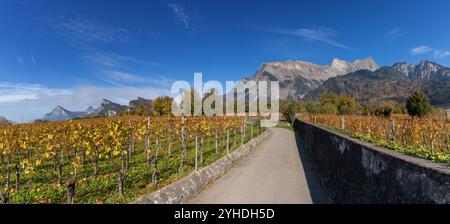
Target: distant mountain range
106,108
362,79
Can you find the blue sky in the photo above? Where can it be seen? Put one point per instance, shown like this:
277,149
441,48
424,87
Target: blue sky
75,53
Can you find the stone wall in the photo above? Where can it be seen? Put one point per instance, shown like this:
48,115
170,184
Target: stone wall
352,171
195,182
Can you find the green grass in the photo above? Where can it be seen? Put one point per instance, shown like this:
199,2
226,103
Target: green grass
42,186
285,125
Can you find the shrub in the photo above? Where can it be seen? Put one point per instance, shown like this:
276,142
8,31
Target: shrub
384,110
328,108
309,107
292,110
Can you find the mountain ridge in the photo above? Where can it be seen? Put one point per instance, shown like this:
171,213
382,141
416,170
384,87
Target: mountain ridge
425,70
3,120
109,108
59,113
299,77
106,108
391,83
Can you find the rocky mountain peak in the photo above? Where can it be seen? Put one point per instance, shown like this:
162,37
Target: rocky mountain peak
105,101
425,70
109,108
60,113
59,110
286,65
347,67
90,110
428,65
339,64
368,63
426,62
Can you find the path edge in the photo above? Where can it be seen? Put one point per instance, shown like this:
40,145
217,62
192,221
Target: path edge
197,181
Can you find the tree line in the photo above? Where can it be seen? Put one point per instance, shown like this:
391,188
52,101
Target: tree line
417,104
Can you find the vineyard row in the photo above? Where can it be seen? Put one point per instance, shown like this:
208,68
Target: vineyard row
103,158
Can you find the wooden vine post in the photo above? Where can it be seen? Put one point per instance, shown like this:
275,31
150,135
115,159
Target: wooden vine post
155,164
342,123
183,145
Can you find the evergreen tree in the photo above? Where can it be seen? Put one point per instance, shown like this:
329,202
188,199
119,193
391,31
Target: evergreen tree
418,104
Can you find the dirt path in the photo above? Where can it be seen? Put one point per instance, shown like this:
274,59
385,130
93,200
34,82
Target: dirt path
275,173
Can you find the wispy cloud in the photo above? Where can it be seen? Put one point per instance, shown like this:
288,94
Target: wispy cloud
124,78
189,21
441,54
88,30
113,60
19,59
16,92
395,34
423,49
324,35
112,66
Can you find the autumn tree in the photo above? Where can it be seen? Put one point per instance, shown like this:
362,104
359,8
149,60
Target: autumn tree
328,104
162,106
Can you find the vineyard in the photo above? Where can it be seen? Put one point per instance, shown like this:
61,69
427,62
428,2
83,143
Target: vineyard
427,137
110,160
